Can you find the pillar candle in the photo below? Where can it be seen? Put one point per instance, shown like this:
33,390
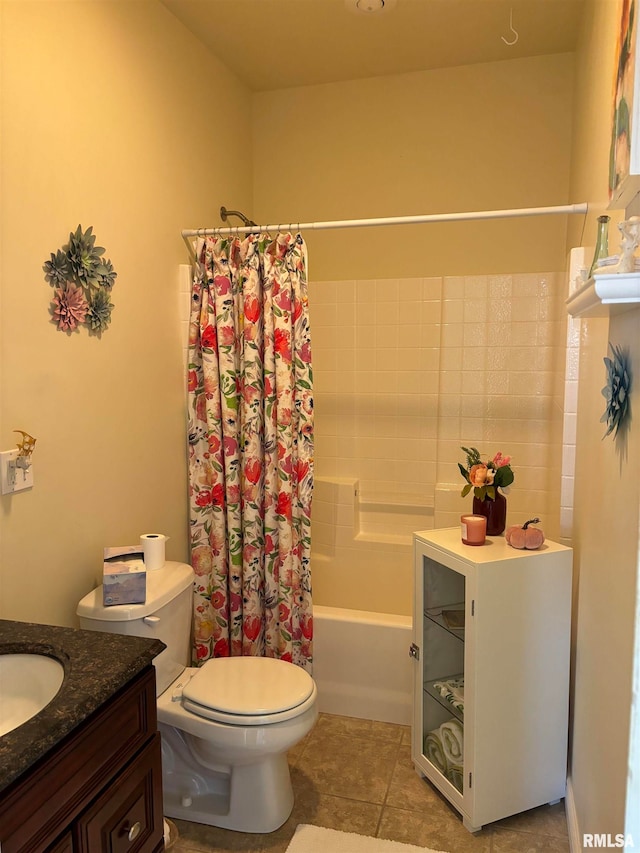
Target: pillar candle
473,529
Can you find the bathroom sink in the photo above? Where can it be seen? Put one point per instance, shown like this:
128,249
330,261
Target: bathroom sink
28,682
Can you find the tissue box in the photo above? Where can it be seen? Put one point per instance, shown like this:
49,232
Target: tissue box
124,578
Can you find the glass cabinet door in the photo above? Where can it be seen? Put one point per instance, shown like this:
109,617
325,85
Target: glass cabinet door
443,669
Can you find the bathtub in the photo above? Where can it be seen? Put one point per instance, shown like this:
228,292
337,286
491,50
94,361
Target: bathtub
361,664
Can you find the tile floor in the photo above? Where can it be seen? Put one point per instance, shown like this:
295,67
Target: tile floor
357,776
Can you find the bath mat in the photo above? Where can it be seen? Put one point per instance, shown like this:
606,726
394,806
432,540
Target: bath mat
317,839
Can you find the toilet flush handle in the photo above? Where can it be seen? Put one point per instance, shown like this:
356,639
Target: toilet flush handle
151,620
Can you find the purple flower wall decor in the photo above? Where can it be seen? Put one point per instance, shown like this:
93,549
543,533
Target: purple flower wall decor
82,280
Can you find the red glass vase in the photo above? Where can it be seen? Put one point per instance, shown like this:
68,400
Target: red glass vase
495,511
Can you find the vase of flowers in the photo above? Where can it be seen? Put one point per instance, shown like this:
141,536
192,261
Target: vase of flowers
486,478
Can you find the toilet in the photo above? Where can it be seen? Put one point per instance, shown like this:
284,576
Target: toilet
226,726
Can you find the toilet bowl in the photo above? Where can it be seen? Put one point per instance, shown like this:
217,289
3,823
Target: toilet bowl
226,726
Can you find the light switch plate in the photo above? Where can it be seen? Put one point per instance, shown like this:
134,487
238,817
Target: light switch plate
13,479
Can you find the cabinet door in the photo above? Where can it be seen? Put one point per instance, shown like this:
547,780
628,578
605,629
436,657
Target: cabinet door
443,634
127,817
62,845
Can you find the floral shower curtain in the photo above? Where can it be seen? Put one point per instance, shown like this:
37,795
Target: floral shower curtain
251,448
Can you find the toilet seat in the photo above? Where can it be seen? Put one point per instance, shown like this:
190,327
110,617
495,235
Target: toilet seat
249,691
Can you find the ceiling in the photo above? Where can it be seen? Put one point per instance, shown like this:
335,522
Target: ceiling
277,44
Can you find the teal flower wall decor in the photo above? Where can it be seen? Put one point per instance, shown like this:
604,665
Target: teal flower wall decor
82,280
616,391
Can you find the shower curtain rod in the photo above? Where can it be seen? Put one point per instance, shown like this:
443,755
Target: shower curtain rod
582,208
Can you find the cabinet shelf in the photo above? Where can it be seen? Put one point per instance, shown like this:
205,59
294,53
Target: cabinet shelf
450,617
431,690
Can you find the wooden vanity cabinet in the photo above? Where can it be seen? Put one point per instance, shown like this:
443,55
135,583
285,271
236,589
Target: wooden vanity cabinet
100,790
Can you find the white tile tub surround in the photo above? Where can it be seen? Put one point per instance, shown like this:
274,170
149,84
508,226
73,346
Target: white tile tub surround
408,370
376,354
502,350
579,260
362,552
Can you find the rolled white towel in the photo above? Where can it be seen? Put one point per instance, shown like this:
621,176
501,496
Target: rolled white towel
455,776
452,737
434,751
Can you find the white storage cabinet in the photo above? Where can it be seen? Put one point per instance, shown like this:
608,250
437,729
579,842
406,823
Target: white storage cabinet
491,635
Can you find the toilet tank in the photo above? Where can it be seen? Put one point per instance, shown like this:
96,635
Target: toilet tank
165,616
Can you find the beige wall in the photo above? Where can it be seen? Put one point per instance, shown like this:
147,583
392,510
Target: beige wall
606,487
481,137
105,122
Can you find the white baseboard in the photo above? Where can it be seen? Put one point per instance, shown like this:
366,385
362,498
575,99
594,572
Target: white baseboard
575,836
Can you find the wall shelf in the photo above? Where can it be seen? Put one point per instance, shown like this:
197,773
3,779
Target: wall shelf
603,295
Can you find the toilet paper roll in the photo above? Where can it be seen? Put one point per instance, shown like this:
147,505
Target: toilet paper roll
153,545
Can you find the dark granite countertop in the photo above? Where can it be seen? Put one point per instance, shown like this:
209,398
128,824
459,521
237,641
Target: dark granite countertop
96,665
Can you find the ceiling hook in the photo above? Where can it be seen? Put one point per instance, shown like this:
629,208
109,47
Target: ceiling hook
515,32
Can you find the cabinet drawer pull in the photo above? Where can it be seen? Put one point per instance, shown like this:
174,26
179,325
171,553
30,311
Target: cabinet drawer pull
132,832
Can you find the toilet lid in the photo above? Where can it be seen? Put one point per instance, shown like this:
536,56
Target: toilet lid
246,690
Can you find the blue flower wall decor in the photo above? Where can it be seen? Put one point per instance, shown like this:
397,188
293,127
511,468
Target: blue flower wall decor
82,280
617,415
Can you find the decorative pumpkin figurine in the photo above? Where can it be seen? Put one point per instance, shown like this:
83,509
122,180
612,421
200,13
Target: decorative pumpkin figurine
525,537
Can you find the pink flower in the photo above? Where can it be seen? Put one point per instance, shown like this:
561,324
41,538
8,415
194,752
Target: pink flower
226,336
201,407
284,415
499,460
305,352
222,284
286,464
230,445
201,560
203,498
218,599
283,612
69,307
283,300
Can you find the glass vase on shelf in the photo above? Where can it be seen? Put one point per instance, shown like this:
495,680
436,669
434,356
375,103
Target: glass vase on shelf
495,511
602,243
